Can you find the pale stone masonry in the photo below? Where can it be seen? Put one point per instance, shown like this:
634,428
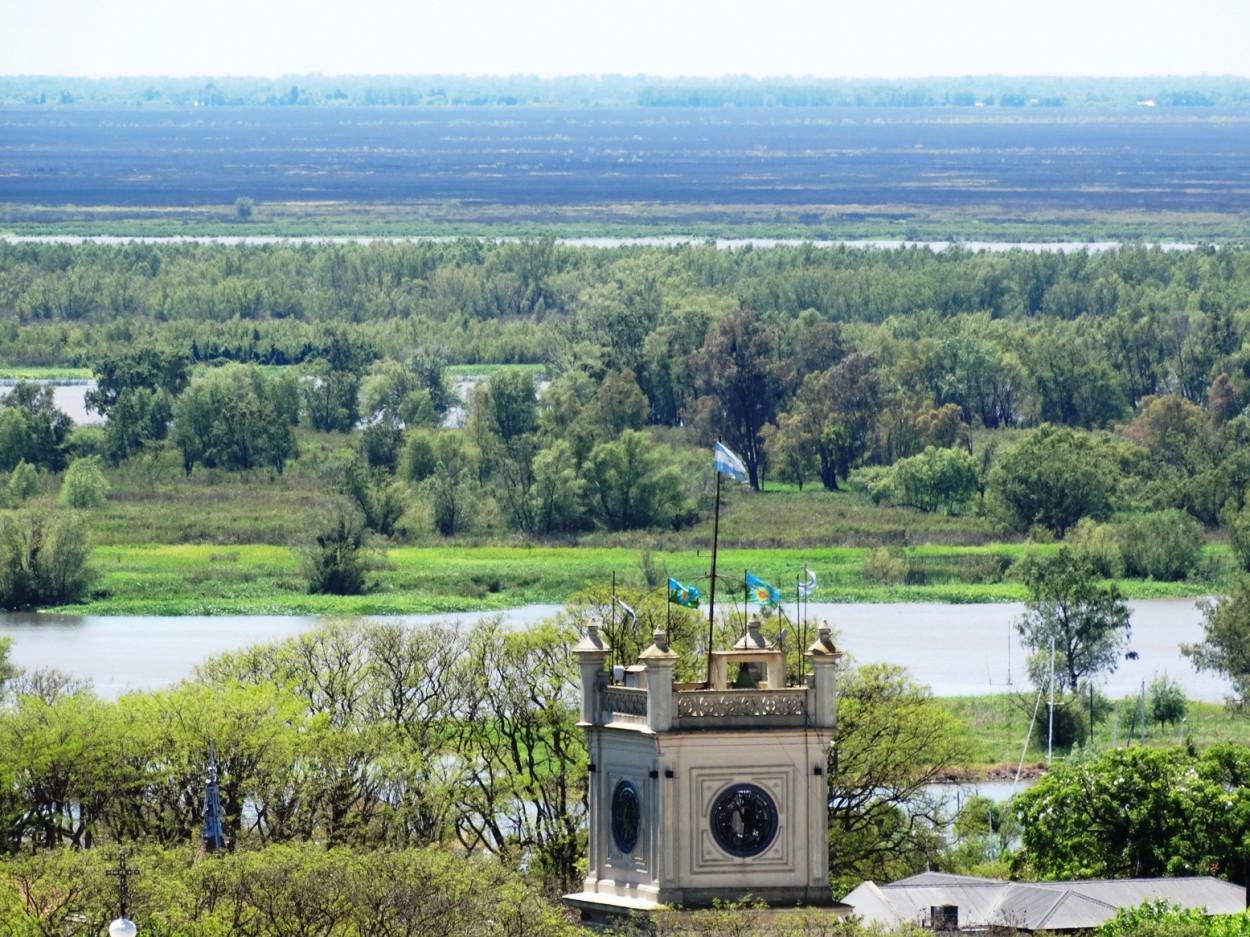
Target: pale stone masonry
706,792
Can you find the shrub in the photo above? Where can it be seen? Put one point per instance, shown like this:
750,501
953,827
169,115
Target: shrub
1156,917
333,560
43,558
23,482
876,481
380,444
884,565
418,461
380,500
937,479
1098,545
1070,725
1237,525
85,441
85,485
1163,545
1167,701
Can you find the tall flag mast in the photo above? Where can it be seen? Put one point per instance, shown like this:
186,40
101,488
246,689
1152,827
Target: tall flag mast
725,462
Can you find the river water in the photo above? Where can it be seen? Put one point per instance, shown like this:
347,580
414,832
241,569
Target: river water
954,649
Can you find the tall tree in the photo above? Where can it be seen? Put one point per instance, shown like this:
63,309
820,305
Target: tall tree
32,429
230,418
1069,605
503,420
522,750
135,392
7,670
43,558
744,386
1225,644
631,484
893,741
836,411
1055,477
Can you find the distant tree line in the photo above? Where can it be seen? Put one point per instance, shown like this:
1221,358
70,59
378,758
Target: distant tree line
621,91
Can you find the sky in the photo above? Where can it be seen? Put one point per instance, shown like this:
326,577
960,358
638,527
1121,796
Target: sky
663,38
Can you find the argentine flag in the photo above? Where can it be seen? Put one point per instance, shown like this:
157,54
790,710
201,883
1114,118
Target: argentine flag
727,463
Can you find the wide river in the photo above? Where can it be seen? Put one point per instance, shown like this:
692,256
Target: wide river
954,649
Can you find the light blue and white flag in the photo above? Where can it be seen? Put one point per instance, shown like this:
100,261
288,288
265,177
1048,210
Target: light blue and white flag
633,616
727,463
806,588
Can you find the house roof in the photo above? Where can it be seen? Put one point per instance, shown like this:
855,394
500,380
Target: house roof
1034,905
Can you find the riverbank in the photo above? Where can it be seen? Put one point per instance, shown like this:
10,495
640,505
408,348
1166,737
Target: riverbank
998,726
263,579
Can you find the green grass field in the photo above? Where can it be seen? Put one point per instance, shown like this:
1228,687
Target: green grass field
218,541
998,726
171,579
51,375
222,543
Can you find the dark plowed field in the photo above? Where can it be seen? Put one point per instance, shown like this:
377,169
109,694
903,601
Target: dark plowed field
1145,159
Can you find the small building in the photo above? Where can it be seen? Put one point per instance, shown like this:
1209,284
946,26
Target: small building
708,792
962,902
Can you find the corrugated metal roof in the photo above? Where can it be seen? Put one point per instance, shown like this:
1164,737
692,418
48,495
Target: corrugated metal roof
1034,905
1073,910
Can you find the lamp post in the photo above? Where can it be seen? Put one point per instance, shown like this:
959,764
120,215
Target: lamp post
123,926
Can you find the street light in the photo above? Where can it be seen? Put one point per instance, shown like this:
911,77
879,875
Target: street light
123,927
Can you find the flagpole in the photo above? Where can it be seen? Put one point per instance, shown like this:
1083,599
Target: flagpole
612,632
711,599
746,599
798,609
802,619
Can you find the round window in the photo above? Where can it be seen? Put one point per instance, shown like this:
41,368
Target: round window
744,820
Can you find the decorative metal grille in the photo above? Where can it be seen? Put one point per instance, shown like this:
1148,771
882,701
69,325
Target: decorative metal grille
745,703
625,700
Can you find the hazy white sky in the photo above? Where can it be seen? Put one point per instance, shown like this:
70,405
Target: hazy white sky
828,38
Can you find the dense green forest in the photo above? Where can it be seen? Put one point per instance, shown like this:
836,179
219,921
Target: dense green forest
619,90
305,396
1038,390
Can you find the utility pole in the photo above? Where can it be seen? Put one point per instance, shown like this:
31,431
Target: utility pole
1050,721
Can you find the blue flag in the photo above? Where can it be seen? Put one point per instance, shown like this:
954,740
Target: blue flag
727,463
761,592
807,588
683,595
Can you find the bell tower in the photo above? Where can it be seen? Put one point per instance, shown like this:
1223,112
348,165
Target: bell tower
709,791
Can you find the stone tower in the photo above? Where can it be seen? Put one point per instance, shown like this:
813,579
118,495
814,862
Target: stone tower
706,792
